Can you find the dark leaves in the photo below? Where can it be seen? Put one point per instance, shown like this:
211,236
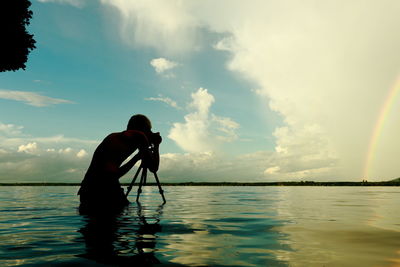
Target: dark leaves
15,41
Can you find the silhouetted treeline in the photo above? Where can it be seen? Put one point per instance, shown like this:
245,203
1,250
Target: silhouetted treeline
15,41
300,183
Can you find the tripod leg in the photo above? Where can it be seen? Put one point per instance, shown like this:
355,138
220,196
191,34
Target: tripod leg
159,187
142,182
128,190
145,177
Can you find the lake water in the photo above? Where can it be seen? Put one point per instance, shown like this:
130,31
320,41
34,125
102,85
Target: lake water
205,226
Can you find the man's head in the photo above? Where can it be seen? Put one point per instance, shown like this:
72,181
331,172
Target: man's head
139,122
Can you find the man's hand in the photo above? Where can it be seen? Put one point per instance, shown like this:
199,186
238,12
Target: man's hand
151,157
156,138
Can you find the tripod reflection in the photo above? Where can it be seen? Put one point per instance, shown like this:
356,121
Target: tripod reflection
123,239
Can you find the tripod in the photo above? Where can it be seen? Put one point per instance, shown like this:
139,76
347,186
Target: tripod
142,182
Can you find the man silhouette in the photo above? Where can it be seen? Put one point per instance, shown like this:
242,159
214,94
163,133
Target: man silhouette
100,189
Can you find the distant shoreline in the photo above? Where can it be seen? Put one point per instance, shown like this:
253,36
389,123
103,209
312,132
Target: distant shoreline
301,183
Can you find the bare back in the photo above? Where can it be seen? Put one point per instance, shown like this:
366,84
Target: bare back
112,152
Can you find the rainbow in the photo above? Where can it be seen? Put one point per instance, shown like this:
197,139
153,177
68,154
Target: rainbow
383,114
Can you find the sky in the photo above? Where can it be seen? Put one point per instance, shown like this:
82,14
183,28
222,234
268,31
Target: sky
241,91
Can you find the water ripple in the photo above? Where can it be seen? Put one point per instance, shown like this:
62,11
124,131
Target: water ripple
204,226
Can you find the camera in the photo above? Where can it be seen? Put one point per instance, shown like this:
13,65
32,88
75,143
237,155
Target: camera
154,138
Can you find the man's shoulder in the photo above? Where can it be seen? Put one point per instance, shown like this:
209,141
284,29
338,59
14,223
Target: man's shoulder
113,135
131,135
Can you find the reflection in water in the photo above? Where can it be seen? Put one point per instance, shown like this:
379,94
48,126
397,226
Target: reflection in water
212,227
205,226
341,226
218,226
122,239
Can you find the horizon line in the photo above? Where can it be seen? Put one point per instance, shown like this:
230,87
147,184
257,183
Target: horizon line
395,182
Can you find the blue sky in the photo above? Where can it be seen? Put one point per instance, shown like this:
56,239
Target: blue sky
256,91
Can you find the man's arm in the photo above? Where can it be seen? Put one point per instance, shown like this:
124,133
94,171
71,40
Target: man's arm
148,145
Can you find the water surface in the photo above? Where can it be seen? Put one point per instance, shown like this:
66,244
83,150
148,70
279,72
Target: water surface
205,226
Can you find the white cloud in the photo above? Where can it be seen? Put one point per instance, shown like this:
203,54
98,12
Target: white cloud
322,65
75,3
193,135
201,166
225,126
66,159
272,170
10,129
325,68
53,142
321,71
29,148
216,167
202,131
31,98
303,153
61,139
165,100
66,150
32,163
25,158
163,25
202,101
225,44
82,153
161,65
41,166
